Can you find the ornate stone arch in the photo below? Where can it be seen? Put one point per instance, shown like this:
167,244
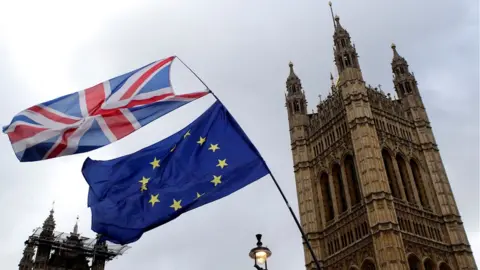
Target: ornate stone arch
346,153
368,264
414,262
428,264
389,150
444,266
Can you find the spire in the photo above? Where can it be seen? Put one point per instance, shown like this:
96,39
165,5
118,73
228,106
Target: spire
333,87
338,26
294,86
49,223
397,59
333,17
292,75
395,53
345,54
403,80
75,228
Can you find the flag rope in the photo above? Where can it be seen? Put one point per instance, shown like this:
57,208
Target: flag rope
304,236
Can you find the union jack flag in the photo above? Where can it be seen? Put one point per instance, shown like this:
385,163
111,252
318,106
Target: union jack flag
97,116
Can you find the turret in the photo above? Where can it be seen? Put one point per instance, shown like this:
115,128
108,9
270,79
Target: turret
44,249
295,97
296,104
345,53
403,80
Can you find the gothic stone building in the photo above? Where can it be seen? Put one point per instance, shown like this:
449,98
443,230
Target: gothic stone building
372,189
47,249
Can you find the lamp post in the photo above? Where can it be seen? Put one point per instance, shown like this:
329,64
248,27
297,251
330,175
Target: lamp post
260,254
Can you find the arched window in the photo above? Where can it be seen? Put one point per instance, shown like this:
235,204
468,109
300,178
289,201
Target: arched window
408,88
348,62
340,63
368,265
444,266
352,180
401,89
419,183
405,179
414,262
339,188
392,179
327,197
428,264
296,106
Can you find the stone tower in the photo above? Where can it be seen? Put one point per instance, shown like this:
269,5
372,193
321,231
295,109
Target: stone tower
372,189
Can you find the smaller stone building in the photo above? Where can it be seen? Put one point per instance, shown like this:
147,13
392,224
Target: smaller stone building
47,249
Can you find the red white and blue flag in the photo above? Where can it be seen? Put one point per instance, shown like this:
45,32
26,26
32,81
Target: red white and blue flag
97,116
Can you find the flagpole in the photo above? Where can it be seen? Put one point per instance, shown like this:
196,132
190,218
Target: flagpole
304,236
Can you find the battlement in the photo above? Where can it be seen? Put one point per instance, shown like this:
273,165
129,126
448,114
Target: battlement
379,100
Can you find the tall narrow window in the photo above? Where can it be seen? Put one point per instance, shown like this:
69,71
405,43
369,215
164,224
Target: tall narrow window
419,183
352,180
296,106
392,179
401,89
339,189
340,63
327,197
348,62
405,179
408,88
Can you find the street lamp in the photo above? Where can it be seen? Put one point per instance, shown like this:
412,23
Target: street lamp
260,254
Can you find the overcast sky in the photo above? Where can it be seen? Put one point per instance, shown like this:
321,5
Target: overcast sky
241,48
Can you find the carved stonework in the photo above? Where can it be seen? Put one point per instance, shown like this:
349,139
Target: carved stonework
375,207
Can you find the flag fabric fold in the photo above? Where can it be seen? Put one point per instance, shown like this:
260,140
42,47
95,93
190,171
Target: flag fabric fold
97,116
209,159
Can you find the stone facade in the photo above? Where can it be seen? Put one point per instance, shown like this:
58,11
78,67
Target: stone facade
372,189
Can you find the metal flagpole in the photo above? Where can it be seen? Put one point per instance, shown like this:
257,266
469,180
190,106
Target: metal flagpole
304,236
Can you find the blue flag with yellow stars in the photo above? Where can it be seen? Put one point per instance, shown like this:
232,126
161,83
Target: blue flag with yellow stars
209,159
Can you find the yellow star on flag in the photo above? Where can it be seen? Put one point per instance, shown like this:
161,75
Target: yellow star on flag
153,199
222,163
201,140
173,148
187,134
176,205
213,147
144,181
155,163
199,195
216,180
143,188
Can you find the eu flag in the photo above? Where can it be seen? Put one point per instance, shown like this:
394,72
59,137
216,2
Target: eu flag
209,159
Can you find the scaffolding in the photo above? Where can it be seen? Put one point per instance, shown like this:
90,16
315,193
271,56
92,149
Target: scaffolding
84,245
